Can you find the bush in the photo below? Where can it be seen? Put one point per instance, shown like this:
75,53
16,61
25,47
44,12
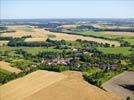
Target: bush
4,78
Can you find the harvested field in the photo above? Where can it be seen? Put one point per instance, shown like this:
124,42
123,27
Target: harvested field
69,26
44,85
120,33
3,42
70,37
115,85
75,37
28,85
35,39
41,33
20,33
6,66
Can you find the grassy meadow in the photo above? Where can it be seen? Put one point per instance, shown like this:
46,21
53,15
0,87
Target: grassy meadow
32,50
116,50
107,35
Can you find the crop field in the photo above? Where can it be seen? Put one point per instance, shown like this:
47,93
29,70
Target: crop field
69,37
109,35
119,81
34,39
32,50
6,66
73,43
51,36
125,34
90,71
72,50
24,32
3,42
27,29
62,86
116,50
3,73
41,33
131,41
34,82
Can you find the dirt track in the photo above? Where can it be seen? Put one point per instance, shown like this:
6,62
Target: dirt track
6,66
44,85
114,85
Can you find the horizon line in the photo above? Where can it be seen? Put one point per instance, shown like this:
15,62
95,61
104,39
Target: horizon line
69,18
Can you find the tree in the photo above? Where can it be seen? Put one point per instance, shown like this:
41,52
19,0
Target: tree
128,98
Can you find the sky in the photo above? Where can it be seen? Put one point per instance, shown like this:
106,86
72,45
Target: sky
27,9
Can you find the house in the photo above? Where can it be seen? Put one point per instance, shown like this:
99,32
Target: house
57,61
103,66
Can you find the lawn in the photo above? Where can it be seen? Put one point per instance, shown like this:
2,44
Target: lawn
116,50
33,50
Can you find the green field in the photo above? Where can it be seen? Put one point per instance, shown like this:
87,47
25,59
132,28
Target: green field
108,76
117,50
21,63
33,50
4,72
51,36
101,34
26,29
4,75
73,43
91,70
131,41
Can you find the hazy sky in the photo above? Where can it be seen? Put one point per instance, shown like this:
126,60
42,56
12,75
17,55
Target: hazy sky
19,9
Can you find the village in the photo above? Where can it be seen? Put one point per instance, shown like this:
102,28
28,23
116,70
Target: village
68,61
